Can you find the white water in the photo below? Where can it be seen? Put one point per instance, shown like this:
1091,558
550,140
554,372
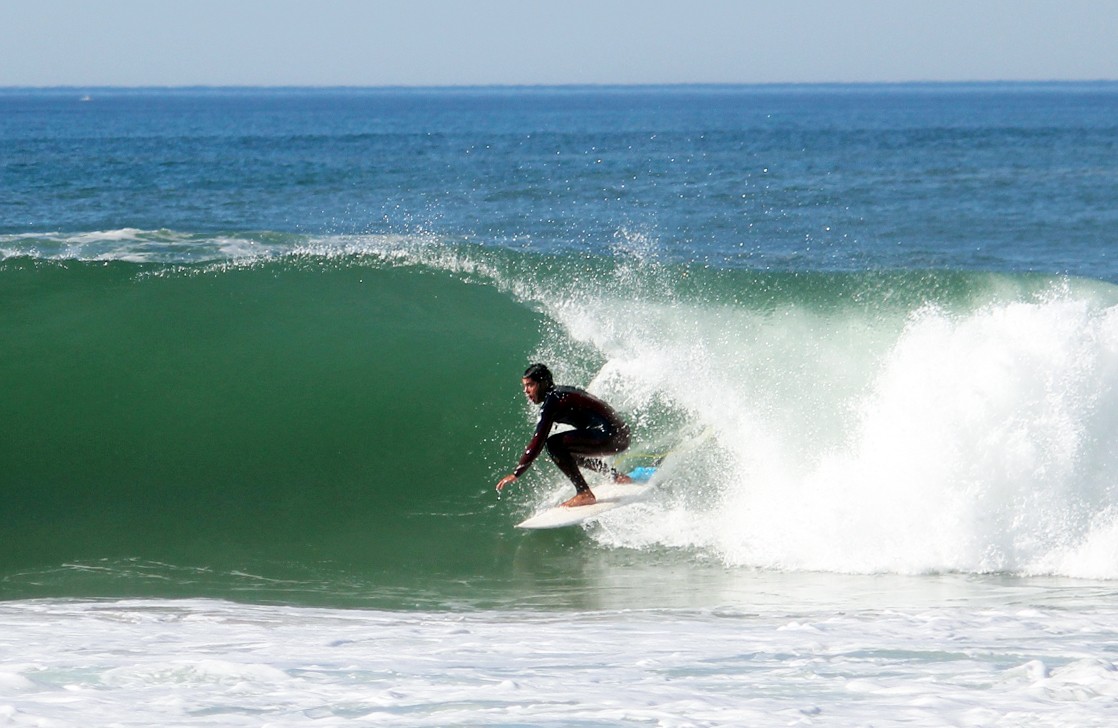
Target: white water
976,440
971,662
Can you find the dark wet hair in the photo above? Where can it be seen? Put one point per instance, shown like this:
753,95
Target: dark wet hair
540,373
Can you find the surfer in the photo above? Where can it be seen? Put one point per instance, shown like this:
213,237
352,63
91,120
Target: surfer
598,430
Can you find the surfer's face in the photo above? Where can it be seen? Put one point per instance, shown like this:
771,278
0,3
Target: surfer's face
533,390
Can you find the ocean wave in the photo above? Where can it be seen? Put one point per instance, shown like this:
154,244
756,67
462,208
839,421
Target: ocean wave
206,406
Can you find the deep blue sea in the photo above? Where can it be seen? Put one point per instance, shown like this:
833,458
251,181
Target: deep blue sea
261,349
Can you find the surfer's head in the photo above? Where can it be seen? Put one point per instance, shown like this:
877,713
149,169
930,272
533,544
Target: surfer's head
537,382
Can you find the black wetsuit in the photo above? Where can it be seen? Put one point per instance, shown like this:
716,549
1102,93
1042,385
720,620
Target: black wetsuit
598,430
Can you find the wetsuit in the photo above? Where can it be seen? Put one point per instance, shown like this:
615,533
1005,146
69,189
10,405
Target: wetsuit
598,430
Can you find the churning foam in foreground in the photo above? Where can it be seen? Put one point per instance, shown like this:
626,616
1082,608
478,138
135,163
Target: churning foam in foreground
982,439
242,665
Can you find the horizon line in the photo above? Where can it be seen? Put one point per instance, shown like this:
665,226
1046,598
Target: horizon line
572,85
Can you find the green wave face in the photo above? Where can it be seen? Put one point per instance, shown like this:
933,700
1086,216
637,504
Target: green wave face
275,409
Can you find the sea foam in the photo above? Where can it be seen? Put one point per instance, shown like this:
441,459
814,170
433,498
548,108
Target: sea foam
975,435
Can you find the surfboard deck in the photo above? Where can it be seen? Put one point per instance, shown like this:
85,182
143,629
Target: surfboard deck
609,495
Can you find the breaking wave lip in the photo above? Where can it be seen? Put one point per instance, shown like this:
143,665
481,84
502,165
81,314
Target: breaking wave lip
130,245
184,252
173,247
173,252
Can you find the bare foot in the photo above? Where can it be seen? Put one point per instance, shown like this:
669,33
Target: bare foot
585,498
622,478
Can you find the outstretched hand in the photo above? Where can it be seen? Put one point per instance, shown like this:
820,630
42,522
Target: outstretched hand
505,481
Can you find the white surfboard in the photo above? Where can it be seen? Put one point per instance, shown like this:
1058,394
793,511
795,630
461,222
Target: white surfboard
609,495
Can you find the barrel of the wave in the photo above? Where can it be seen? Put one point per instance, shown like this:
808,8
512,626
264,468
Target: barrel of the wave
286,410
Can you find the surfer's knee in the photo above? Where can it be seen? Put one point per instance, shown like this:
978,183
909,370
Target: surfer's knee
557,448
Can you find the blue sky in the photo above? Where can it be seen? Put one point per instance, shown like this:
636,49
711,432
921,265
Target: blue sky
480,42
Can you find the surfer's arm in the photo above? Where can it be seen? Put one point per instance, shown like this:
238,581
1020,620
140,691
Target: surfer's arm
535,446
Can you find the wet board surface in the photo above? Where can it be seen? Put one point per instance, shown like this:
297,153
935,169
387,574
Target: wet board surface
609,495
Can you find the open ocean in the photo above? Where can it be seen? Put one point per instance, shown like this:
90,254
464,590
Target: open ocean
260,353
